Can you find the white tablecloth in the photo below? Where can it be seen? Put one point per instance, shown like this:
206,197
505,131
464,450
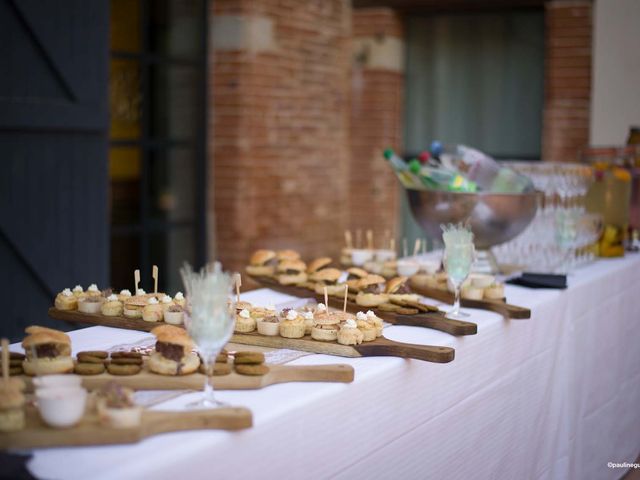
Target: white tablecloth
556,396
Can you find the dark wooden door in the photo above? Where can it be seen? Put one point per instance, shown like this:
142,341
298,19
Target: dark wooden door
53,154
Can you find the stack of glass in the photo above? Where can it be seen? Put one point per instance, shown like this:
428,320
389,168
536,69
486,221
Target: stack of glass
562,235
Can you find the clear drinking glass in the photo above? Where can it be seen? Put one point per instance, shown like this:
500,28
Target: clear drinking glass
209,319
458,258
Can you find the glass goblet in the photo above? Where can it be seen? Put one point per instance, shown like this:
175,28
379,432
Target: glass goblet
210,332
209,320
458,259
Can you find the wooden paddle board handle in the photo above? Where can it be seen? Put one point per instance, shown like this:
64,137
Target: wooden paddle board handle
506,310
437,322
232,418
316,373
387,348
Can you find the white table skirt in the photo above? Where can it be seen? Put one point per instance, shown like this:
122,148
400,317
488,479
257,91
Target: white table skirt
556,396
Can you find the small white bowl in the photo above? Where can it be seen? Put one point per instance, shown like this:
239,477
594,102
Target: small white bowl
61,407
373,267
129,417
385,255
359,256
53,381
407,268
174,318
270,329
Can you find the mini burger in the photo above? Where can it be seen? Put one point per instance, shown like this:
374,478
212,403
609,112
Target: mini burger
173,353
325,327
397,289
318,264
263,263
328,277
371,291
47,351
355,274
134,306
282,255
292,272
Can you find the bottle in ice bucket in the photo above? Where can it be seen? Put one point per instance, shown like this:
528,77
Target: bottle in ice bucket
438,178
415,175
407,178
481,169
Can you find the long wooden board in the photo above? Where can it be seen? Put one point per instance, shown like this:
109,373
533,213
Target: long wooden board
91,432
379,347
506,310
433,320
146,380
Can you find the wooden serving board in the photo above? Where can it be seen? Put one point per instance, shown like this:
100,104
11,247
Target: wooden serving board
91,432
379,347
499,306
433,320
146,380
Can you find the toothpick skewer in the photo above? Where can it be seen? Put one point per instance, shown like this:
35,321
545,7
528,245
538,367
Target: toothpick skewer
154,274
358,238
5,360
238,285
344,305
136,279
326,298
416,247
347,239
369,239
392,244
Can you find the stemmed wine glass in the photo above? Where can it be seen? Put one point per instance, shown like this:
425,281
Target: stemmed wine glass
209,320
459,255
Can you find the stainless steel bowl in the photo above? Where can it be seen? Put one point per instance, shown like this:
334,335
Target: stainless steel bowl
495,218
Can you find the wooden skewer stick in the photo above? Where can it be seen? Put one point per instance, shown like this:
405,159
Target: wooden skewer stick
424,246
5,360
238,285
358,238
136,279
369,239
346,291
416,247
347,239
326,298
392,244
404,246
154,274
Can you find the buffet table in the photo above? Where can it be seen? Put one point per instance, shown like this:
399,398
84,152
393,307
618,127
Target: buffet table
556,396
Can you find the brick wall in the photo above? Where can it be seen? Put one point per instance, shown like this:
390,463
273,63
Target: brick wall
376,118
567,79
279,151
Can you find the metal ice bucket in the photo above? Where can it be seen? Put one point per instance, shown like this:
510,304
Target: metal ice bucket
494,218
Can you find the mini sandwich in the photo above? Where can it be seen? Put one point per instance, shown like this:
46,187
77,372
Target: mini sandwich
328,277
173,354
397,289
134,306
292,272
47,351
318,264
325,327
282,255
355,274
262,263
371,291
